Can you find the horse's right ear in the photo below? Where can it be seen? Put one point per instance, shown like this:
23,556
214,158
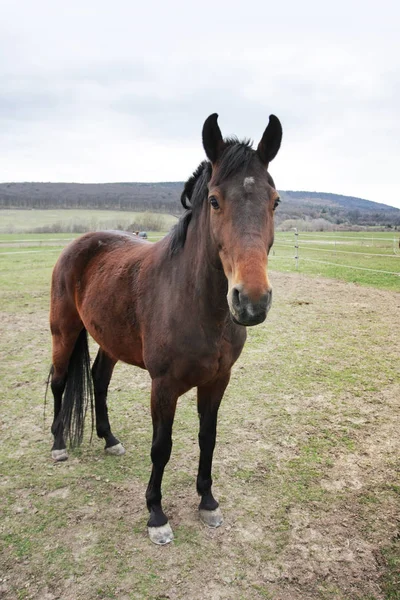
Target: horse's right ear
270,141
212,138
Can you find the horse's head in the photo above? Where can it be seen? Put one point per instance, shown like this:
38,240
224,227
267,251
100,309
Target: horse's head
242,199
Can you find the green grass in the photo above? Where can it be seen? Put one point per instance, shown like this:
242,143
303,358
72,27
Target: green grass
35,238
22,221
391,579
364,258
354,257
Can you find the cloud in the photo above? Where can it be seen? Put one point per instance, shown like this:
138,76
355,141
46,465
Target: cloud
101,92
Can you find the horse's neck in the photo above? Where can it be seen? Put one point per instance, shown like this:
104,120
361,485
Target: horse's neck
203,270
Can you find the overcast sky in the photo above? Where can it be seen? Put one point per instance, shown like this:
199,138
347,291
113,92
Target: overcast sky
102,91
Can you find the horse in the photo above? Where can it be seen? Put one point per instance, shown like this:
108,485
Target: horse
178,307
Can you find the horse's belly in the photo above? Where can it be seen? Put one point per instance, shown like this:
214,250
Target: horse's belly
118,340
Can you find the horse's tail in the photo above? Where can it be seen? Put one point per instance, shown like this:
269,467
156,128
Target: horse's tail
78,393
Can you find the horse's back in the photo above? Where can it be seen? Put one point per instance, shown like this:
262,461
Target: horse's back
88,249
87,246
91,260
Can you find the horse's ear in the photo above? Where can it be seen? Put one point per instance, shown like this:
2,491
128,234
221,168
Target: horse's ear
212,138
270,141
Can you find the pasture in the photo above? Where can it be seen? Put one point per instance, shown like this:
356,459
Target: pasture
369,258
363,257
306,466
15,221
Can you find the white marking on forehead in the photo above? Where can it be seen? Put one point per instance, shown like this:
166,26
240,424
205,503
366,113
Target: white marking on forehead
248,183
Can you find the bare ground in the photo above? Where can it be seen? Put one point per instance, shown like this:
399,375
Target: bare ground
306,467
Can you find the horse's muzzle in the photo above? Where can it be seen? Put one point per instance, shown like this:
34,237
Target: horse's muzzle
247,312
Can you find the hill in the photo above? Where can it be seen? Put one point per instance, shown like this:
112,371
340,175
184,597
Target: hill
337,209
333,209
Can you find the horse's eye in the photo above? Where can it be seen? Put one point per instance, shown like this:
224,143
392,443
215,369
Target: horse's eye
276,202
214,202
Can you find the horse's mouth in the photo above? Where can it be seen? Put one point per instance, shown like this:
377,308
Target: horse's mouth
246,312
249,320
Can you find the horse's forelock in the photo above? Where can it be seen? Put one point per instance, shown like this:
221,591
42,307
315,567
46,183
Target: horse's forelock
236,157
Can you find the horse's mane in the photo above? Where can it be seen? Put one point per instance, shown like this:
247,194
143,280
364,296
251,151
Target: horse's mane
236,156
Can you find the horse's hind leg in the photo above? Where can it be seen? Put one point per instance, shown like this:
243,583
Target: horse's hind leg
101,372
63,346
208,400
59,449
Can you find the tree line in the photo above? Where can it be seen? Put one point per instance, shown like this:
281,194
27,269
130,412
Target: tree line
164,197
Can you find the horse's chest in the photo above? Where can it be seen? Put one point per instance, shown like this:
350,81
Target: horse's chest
194,360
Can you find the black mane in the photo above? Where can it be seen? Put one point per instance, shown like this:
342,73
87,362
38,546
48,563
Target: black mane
236,157
187,194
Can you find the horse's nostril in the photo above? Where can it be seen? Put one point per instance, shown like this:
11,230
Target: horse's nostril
245,309
236,298
267,299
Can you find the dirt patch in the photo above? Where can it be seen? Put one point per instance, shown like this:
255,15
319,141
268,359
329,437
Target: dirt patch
306,467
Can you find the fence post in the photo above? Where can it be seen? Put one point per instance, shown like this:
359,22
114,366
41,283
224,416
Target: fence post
296,247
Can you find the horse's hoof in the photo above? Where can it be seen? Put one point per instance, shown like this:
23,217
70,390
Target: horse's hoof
59,455
161,535
117,450
211,518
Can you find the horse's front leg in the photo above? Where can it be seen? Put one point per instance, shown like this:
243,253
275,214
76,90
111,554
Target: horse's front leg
164,397
208,400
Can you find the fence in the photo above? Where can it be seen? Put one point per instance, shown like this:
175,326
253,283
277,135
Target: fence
373,259
374,253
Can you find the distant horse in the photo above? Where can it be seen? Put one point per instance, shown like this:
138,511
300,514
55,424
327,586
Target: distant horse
178,308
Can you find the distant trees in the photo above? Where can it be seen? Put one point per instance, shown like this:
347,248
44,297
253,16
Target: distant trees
163,197
306,225
322,209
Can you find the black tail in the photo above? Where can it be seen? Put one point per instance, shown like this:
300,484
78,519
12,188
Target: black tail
78,392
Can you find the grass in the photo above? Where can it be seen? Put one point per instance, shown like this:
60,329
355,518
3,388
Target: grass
17,221
391,579
306,466
364,258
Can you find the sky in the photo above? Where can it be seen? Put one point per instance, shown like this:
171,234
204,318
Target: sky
95,91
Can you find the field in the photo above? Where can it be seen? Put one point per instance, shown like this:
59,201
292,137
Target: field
307,466
24,220
369,258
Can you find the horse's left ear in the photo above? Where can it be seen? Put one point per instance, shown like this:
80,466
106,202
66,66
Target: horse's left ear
270,141
212,138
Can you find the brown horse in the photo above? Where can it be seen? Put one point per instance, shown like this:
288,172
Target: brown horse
178,308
